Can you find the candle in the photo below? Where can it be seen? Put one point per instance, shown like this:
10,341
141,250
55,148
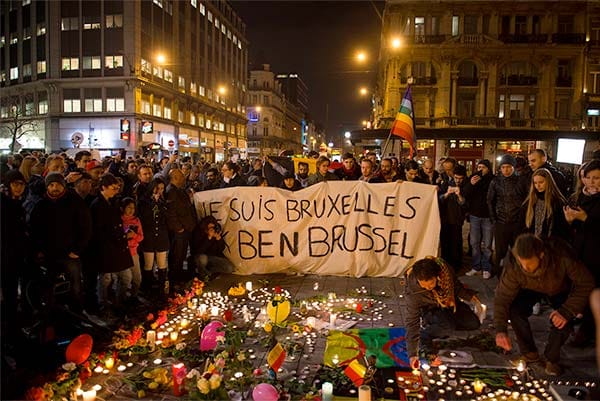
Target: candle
332,318
364,393
173,336
184,323
160,335
109,363
478,386
89,395
214,311
335,360
327,391
98,369
179,373
521,365
151,337
157,361
311,321
316,286
121,368
202,309
248,285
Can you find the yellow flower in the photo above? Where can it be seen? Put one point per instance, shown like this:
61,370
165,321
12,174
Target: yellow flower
148,375
203,385
268,327
241,356
214,381
141,394
295,328
153,386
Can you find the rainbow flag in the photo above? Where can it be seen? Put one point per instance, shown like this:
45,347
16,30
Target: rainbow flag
276,357
387,344
404,125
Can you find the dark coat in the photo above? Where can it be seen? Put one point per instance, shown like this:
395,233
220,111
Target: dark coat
587,234
14,237
424,178
153,215
236,181
318,177
348,175
559,272
477,196
452,211
556,226
110,251
180,210
60,226
505,198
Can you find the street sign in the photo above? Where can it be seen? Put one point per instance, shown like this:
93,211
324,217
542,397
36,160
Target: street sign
171,143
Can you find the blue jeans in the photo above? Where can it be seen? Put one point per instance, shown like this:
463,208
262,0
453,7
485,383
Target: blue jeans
481,231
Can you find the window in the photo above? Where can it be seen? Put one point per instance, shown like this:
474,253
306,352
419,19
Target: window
566,23
202,9
145,107
501,107
517,107
72,105
91,22
157,110
157,71
193,88
158,3
43,106
266,131
14,73
194,3
192,119
70,63
41,29
114,21
485,25
181,83
27,33
2,41
210,17
118,104
145,65
595,30
41,67
91,63
208,124
14,39
419,26
69,24
471,24
562,109
455,21
202,91
266,100
93,105
201,120
594,79
26,2
167,113
168,76
27,70
435,25
180,116
536,25
113,62
223,29
505,25
217,25
521,25
29,107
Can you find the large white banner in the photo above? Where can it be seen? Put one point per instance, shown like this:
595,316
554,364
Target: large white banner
345,228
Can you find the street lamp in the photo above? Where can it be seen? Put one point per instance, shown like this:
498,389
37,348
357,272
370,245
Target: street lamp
396,43
222,90
363,91
160,58
361,56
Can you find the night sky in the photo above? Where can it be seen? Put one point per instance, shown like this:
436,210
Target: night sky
319,40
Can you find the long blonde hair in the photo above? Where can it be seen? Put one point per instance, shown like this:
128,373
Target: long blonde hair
551,196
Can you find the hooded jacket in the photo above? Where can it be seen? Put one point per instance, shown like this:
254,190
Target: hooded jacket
559,272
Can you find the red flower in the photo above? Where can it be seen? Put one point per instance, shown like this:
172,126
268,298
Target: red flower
277,289
84,374
228,315
150,317
35,394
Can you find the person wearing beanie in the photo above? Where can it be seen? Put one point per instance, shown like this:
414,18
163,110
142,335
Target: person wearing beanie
505,196
481,228
14,245
60,231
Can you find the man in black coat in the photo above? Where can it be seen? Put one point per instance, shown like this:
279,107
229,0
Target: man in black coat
110,251
452,215
539,159
181,219
61,228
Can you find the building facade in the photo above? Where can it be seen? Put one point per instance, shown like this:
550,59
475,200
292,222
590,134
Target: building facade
133,74
488,77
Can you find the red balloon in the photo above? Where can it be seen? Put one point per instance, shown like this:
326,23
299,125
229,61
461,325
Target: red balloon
79,349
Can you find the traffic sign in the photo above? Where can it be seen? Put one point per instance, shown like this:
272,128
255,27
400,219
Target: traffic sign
171,143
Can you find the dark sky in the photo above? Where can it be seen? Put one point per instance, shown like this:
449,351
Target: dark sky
319,40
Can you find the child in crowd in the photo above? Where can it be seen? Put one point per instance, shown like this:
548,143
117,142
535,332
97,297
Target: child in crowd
135,235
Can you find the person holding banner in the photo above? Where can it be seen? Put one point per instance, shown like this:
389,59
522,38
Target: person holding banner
435,295
323,173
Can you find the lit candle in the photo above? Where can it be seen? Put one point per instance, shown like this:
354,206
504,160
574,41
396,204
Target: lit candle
108,363
121,368
248,285
184,323
98,369
521,365
364,393
89,395
202,309
311,321
478,386
160,335
214,311
179,373
151,337
335,360
332,319
327,391
316,286
157,361
173,336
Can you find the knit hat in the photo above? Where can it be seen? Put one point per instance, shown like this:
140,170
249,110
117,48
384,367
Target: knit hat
508,159
486,163
12,176
55,177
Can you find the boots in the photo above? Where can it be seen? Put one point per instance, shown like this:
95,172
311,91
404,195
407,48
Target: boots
163,284
148,282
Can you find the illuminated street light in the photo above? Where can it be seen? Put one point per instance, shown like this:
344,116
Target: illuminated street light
363,91
160,58
361,56
365,122
396,43
258,109
222,90
347,134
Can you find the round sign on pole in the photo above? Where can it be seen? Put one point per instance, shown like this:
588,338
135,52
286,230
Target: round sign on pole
171,143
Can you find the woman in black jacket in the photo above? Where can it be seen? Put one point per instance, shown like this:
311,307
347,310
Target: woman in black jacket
207,248
152,211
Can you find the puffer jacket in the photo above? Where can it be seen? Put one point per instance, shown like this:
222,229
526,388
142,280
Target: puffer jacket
559,272
505,197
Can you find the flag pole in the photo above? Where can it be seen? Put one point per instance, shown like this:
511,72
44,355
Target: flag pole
409,81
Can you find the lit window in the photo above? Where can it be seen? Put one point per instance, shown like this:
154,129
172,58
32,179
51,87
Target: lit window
27,70
145,107
91,63
118,104
146,66
217,25
181,82
235,40
192,119
201,120
193,88
240,44
180,116
71,105
27,33
223,29
43,107
156,110
41,28
113,62
158,71
202,91
228,34
91,23
158,3
194,3
168,76
2,76
208,124
92,105
13,38
210,18
202,9
114,21
70,63
167,113
69,24
2,41
26,2
41,67
14,73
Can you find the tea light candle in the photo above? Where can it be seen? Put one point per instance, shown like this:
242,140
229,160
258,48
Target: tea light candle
214,311
248,285
151,337
121,368
160,335
173,336
332,319
157,361
335,360
478,386
316,286
108,363
327,391
89,395
311,321
202,309
521,365
184,323
98,369
364,393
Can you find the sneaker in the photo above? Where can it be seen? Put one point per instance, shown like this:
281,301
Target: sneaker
472,272
553,369
487,275
536,308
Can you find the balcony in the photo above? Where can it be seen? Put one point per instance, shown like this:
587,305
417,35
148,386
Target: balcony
468,81
568,38
564,82
533,38
428,39
518,80
420,80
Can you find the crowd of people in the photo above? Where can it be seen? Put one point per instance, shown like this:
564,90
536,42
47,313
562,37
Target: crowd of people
124,231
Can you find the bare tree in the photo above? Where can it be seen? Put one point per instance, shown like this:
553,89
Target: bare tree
18,122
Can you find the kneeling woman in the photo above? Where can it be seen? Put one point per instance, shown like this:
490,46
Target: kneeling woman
434,294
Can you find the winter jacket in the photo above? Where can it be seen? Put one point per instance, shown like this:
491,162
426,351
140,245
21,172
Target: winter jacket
477,196
235,181
348,175
110,251
419,300
14,237
153,216
505,197
134,225
559,272
318,177
452,210
587,234
555,226
180,210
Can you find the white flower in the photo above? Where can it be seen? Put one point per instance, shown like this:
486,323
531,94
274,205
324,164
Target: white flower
193,373
203,385
69,366
180,346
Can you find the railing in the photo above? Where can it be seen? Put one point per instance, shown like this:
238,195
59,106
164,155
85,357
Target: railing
568,38
471,40
533,38
428,39
564,82
420,80
518,80
468,81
